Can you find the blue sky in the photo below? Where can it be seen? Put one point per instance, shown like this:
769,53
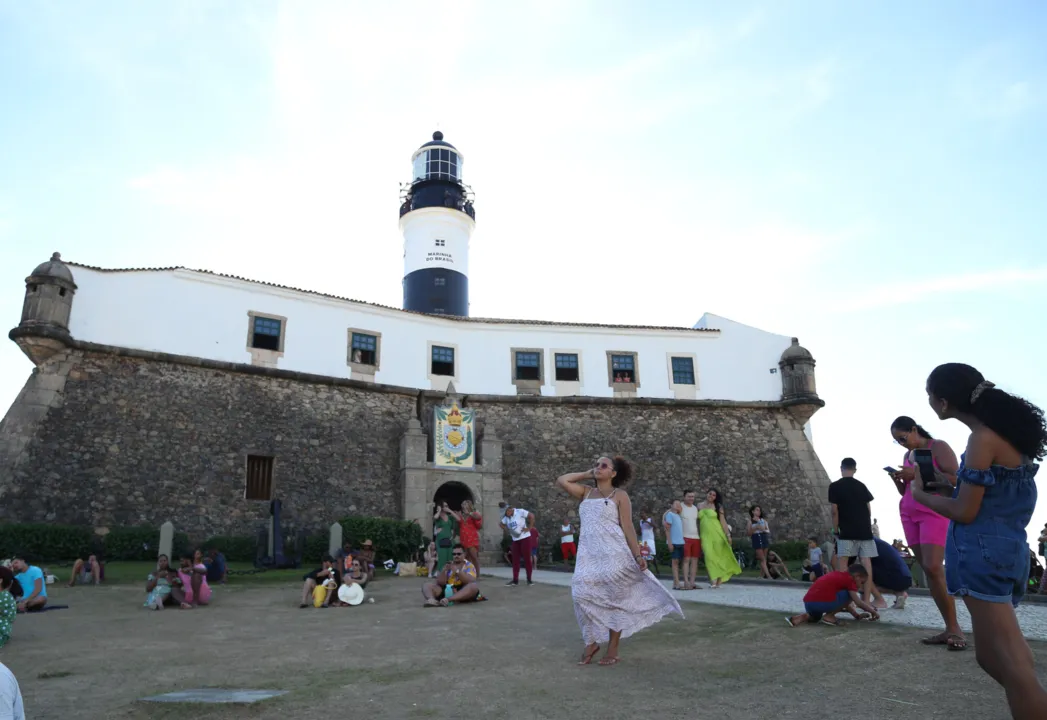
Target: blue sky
868,179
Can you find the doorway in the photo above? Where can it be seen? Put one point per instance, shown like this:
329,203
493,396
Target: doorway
453,493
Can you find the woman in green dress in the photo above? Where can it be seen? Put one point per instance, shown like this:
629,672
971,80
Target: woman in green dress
444,530
8,605
720,561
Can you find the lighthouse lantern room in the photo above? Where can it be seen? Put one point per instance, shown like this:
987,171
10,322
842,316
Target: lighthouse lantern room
437,221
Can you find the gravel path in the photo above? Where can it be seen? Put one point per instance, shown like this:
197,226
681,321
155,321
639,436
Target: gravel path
919,611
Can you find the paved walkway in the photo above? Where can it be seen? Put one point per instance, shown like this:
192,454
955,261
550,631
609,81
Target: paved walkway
919,611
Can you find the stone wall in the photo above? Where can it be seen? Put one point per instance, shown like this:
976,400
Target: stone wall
752,455
134,441
106,437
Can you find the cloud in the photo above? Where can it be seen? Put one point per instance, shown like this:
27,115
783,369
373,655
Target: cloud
909,291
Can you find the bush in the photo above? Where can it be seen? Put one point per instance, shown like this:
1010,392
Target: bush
396,539
236,548
40,542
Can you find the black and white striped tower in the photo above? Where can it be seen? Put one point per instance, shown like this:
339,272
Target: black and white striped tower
437,220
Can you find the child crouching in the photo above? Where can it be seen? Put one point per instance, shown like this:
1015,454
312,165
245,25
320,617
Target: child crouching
832,593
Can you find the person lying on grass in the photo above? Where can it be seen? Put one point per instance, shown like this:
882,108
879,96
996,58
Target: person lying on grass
832,593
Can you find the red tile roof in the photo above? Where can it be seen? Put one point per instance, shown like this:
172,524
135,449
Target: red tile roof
501,321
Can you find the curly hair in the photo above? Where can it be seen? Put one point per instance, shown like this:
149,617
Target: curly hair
906,423
623,471
752,508
1013,418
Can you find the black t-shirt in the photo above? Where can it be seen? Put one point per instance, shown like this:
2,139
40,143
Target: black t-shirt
318,579
852,499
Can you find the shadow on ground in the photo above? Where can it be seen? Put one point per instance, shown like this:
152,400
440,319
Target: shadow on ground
512,656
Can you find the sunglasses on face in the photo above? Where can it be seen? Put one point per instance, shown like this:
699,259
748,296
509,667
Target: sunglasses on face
603,465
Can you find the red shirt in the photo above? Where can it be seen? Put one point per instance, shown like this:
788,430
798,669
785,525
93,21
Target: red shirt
826,587
469,532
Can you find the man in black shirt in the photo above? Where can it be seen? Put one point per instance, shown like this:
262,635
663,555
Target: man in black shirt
325,577
852,521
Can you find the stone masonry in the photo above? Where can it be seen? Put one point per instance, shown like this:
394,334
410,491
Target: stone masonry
104,436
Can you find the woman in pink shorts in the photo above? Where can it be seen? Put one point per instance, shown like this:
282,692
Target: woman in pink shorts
926,530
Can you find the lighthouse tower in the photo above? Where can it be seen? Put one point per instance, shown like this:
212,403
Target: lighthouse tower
437,220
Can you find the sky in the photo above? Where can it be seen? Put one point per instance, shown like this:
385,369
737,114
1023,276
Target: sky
867,178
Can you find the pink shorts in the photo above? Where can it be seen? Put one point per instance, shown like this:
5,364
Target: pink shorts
925,529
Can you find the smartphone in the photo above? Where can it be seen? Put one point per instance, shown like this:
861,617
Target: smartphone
925,462
889,469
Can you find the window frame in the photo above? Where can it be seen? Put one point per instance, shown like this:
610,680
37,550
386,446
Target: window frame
623,387
577,366
526,386
265,356
439,382
366,370
683,391
270,482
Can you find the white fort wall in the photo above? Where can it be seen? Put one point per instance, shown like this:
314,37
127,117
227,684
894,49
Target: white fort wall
197,314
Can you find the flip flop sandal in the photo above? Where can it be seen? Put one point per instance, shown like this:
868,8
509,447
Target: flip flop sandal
608,661
587,657
830,623
790,621
939,639
956,643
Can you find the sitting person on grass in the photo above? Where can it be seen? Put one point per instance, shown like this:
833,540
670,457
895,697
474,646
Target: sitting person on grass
191,589
832,593
8,605
31,580
320,584
216,566
86,571
158,585
776,566
366,557
457,583
355,575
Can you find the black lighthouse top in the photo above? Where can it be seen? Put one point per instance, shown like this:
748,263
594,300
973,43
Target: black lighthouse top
437,179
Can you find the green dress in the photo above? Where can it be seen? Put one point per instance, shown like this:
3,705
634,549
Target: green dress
8,610
444,530
719,556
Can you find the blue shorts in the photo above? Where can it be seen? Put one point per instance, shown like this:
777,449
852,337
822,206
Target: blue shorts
761,541
677,552
986,561
817,609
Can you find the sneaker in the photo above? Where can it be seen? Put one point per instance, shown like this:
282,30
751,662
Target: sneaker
511,583
529,583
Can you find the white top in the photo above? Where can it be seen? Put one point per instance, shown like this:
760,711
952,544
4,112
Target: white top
647,532
11,707
569,538
690,522
517,524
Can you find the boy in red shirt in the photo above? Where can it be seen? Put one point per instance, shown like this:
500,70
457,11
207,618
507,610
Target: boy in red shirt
832,593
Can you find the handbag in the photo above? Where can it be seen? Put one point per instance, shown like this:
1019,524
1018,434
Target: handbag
408,569
444,542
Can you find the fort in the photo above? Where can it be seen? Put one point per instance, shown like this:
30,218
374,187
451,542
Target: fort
147,404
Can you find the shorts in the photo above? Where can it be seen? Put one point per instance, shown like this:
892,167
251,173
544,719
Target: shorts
893,582
925,529
677,552
989,567
692,547
85,578
761,540
817,609
856,548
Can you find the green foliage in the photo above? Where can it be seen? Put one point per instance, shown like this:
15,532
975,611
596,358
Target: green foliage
40,542
236,548
396,539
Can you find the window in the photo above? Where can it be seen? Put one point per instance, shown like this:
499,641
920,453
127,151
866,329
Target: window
567,367
439,281
265,333
442,361
440,243
441,163
259,478
623,368
528,366
365,349
683,371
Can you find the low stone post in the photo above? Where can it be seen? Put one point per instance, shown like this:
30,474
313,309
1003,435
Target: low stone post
334,543
167,533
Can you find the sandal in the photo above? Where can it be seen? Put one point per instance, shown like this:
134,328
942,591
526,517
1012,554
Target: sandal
956,643
830,622
608,661
587,655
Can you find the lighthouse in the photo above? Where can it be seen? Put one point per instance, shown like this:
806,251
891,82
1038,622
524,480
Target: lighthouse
436,220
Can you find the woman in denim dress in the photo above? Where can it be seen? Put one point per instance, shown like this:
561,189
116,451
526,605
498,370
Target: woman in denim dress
986,551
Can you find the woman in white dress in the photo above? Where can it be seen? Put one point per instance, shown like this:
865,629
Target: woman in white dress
614,593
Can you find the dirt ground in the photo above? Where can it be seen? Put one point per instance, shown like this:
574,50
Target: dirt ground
512,656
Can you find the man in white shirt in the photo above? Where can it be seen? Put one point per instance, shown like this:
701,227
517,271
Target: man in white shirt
518,523
10,696
692,542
